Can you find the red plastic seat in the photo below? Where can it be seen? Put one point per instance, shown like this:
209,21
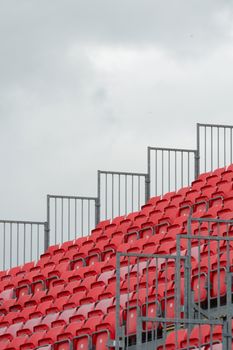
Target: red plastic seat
11,331
174,340
28,327
106,331
51,336
46,322
16,343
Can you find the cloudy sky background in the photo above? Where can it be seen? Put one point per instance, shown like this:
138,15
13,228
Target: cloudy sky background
87,85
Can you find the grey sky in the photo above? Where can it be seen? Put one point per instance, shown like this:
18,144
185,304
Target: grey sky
89,84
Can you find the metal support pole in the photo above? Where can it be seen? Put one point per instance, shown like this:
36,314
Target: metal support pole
148,175
46,236
47,226
97,205
197,154
117,346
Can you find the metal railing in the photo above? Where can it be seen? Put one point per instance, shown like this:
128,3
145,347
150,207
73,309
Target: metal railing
70,217
147,285
210,262
170,169
214,146
185,334
21,241
120,193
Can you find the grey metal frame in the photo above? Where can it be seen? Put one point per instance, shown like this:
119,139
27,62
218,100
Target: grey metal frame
181,323
174,172
120,203
81,215
177,259
24,240
216,142
222,303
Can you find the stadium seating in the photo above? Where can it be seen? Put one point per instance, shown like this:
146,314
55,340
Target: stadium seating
68,297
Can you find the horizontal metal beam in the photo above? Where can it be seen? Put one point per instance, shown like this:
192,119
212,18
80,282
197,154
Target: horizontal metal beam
220,221
215,125
22,222
71,197
120,173
182,320
172,149
210,238
157,256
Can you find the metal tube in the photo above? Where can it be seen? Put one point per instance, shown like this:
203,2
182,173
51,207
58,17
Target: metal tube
118,255
148,174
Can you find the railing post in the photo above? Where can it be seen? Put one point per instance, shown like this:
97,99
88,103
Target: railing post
118,331
147,180
197,154
46,236
47,225
97,203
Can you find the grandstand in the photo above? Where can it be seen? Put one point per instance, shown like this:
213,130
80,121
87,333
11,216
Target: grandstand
146,266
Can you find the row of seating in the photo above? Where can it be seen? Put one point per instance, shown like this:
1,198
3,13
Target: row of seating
80,276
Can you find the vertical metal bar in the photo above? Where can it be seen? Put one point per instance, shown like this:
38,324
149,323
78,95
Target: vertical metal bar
4,246
24,243
189,169
82,216
75,217
46,236
229,296
139,199
197,153
55,214
132,183
211,138
148,178
119,194
117,347
205,149
106,196
17,228
162,173
126,190
112,196
182,169
10,244
89,217
218,144
231,145
188,272
62,216
37,240
177,279
156,173
31,243
68,220
169,173
47,232
224,140
175,170
98,200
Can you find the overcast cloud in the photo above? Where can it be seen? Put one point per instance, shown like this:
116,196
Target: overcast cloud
87,85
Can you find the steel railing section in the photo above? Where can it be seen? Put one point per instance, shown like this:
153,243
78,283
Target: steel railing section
214,146
170,169
70,217
21,241
184,334
139,292
209,251
120,193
